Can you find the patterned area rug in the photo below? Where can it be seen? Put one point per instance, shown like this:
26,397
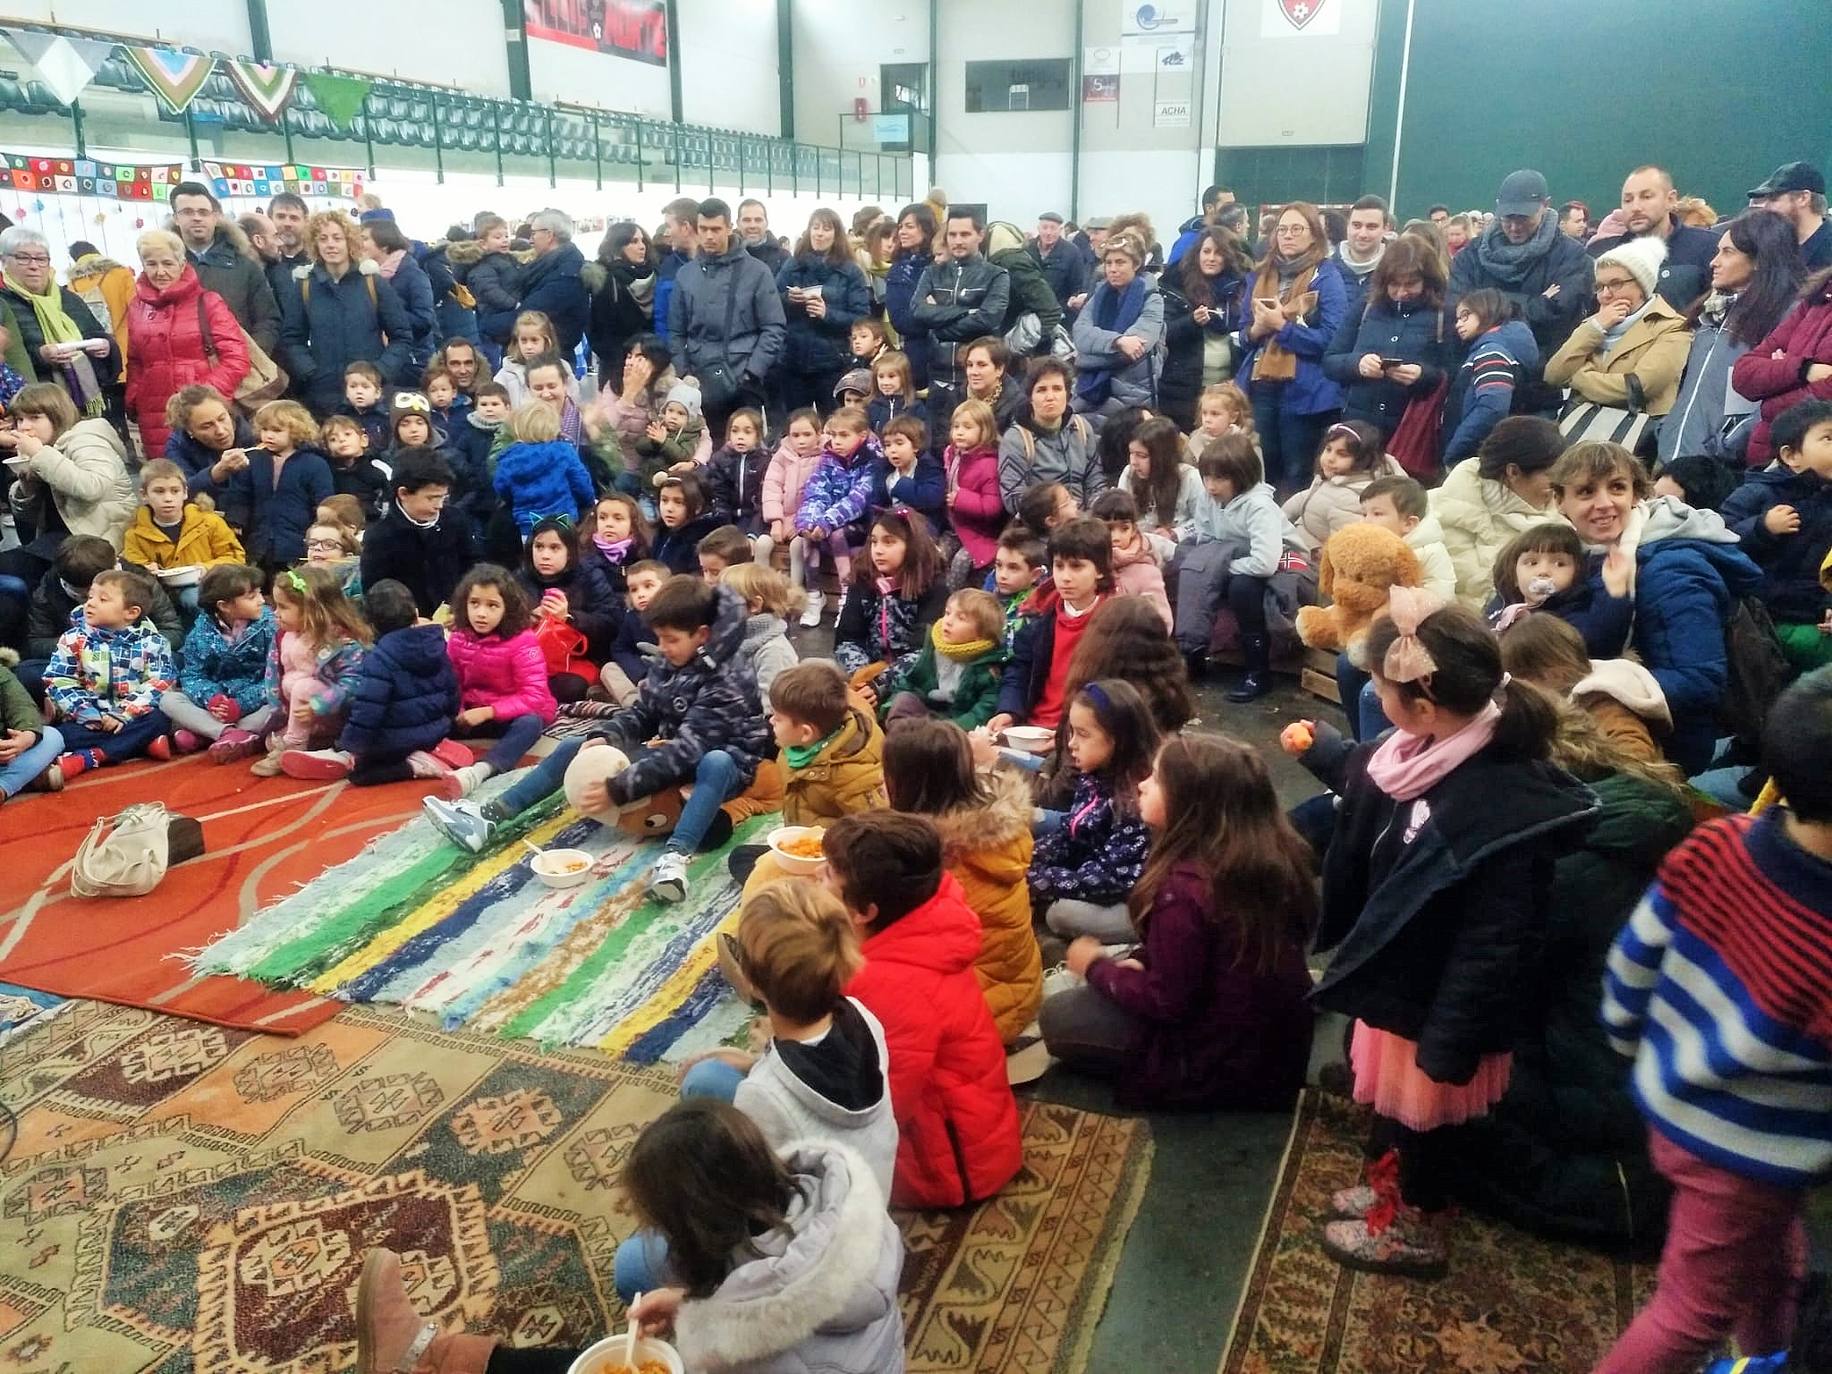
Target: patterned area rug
186,1196
480,942
1512,1302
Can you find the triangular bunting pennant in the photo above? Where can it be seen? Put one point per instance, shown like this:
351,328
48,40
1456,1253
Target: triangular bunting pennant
65,65
340,98
176,76
264,86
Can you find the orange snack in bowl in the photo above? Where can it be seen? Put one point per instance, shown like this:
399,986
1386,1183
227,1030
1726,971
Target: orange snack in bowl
1297,737
804,846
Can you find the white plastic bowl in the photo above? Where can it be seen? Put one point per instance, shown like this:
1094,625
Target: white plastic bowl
607,1356
185,575
1030,739
551,867
794,863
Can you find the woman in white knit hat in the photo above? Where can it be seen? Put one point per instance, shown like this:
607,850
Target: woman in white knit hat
1632,352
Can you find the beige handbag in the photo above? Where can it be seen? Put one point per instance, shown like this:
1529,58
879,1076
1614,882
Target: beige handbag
124,855
266,380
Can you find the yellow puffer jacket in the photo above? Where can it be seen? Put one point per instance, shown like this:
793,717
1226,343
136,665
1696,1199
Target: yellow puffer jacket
988,850
846,776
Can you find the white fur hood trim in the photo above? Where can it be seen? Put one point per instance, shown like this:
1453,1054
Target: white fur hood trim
1627,682
363,267
769,1305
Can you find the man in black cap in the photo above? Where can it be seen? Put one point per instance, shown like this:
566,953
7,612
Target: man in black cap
1545,273
1650,205
1064,268
1797,192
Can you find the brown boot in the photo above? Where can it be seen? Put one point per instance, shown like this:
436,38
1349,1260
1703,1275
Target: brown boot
392,1338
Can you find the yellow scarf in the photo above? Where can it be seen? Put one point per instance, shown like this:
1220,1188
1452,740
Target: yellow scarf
960,653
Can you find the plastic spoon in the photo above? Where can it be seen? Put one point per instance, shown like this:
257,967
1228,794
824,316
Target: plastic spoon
629,1354
534,848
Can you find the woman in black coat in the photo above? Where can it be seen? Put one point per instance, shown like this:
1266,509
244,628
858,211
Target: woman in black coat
1401,344
823,292
339,311
622,283
1204,295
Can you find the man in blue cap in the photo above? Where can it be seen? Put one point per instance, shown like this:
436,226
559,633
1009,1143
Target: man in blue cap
1545,273
1797,192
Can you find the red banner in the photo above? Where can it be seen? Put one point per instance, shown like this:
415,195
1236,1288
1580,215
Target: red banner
636,29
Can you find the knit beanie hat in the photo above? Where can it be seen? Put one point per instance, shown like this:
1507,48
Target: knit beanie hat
685,395
586,776
1640,258
407,403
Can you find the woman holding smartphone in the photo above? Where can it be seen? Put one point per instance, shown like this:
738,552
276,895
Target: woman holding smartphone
823,292
1400,344
1296,302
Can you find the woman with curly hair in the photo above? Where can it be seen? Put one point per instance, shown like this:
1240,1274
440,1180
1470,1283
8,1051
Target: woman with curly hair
341,310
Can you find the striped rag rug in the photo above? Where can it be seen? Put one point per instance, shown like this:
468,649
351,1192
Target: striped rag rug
478,942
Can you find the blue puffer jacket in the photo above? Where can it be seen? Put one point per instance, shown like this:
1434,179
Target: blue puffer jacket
551,285
273,519
415,289
212,666
1311,392
900,305
539,480
196,460
709,704
406,696
1691,575
1412,332
818,348
1790,562
327,325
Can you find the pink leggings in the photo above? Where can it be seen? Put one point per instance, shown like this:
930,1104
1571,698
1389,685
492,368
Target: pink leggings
1735,1257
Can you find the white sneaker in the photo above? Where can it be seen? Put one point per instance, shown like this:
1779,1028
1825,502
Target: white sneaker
668,879
811,613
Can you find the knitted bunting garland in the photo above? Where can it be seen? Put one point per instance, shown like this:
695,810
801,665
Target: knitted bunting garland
65,65
266,87
176,76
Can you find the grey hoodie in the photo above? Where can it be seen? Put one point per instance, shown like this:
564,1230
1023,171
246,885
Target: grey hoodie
765,651
820,1294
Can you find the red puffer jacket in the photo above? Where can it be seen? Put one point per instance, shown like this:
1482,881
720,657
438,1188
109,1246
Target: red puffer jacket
509,675
957,1122
165,350
1803,337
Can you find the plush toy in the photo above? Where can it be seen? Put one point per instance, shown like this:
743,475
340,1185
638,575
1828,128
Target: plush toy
1361,563
646,818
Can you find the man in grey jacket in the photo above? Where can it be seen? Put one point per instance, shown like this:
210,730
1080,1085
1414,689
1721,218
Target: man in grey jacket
960,301
725,310
226,262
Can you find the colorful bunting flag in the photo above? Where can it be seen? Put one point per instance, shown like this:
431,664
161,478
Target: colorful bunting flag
80,176
266,87
65,65
176,76
340,98
263,180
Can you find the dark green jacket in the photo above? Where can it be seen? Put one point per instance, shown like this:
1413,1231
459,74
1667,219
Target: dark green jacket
976,696
1030,291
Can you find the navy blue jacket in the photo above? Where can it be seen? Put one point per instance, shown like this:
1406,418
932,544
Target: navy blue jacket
1553,258
339,326
1064,269
415,289
427,561
551,285
821,348
467,449
454,321
1413,333
881,410
736,480
196,460
900,304
273,520
406,697
665,272
679,549
1686,274
495,280
1311,392
924,490
597,612
1790,562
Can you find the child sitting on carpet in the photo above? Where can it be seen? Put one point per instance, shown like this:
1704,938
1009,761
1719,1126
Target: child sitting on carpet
959,669
831,749
629,665
1018,569
898,590
400,715
696,720
169,531
825,1073
958,1137
775,1261
502,674
316,661
28,747
769,599
104,682
222,677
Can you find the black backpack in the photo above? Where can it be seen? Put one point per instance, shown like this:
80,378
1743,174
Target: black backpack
1758,673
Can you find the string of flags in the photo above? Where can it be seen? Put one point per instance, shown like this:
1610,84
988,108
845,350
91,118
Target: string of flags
154,181
68,65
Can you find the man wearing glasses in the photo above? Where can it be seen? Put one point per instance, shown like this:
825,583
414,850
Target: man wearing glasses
226,262
1544,272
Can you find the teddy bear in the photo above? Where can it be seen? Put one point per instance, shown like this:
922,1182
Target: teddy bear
645,818
1361,563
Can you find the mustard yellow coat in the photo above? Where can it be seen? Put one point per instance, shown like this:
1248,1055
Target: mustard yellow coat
988,850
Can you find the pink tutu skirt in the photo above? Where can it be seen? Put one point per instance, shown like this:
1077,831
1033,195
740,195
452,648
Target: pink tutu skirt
1388,1077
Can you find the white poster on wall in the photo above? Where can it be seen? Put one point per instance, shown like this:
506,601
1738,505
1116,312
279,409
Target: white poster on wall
1300,18
1100,62
1171,114
1149,18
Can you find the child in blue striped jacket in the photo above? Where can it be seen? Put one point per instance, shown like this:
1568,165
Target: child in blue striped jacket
1720,988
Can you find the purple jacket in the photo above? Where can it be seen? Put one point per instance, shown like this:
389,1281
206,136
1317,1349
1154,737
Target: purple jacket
1216,1030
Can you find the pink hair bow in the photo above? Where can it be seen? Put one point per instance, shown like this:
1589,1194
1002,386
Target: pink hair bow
1408,660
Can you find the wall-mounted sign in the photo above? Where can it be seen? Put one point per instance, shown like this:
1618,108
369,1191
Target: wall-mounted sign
1171,114
1150,18
636,29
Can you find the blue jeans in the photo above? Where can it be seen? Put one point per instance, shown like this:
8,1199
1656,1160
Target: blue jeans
517,739
15,775
128,742
715,781
1360,702
1289,442
642,1260
540,781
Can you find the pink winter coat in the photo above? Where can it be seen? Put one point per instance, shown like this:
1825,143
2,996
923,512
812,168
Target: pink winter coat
508,675
1803,337
1137,574
166,353
978,512
784,480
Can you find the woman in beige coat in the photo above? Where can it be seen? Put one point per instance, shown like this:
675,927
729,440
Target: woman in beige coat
1632,352
1487,500
81,464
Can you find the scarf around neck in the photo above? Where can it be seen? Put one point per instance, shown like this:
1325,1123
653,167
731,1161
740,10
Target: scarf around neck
1361,267
1117,311
1406,766
799,756
1509,263
613,549
960,653
56,326
1612,337
1275,362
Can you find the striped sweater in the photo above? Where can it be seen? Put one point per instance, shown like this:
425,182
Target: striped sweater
1720,988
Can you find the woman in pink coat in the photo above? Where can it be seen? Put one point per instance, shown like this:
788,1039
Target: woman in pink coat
178,334
502,674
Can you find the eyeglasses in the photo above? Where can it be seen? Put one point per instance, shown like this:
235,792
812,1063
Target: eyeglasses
315,545
1617,284
30,259
1292,229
